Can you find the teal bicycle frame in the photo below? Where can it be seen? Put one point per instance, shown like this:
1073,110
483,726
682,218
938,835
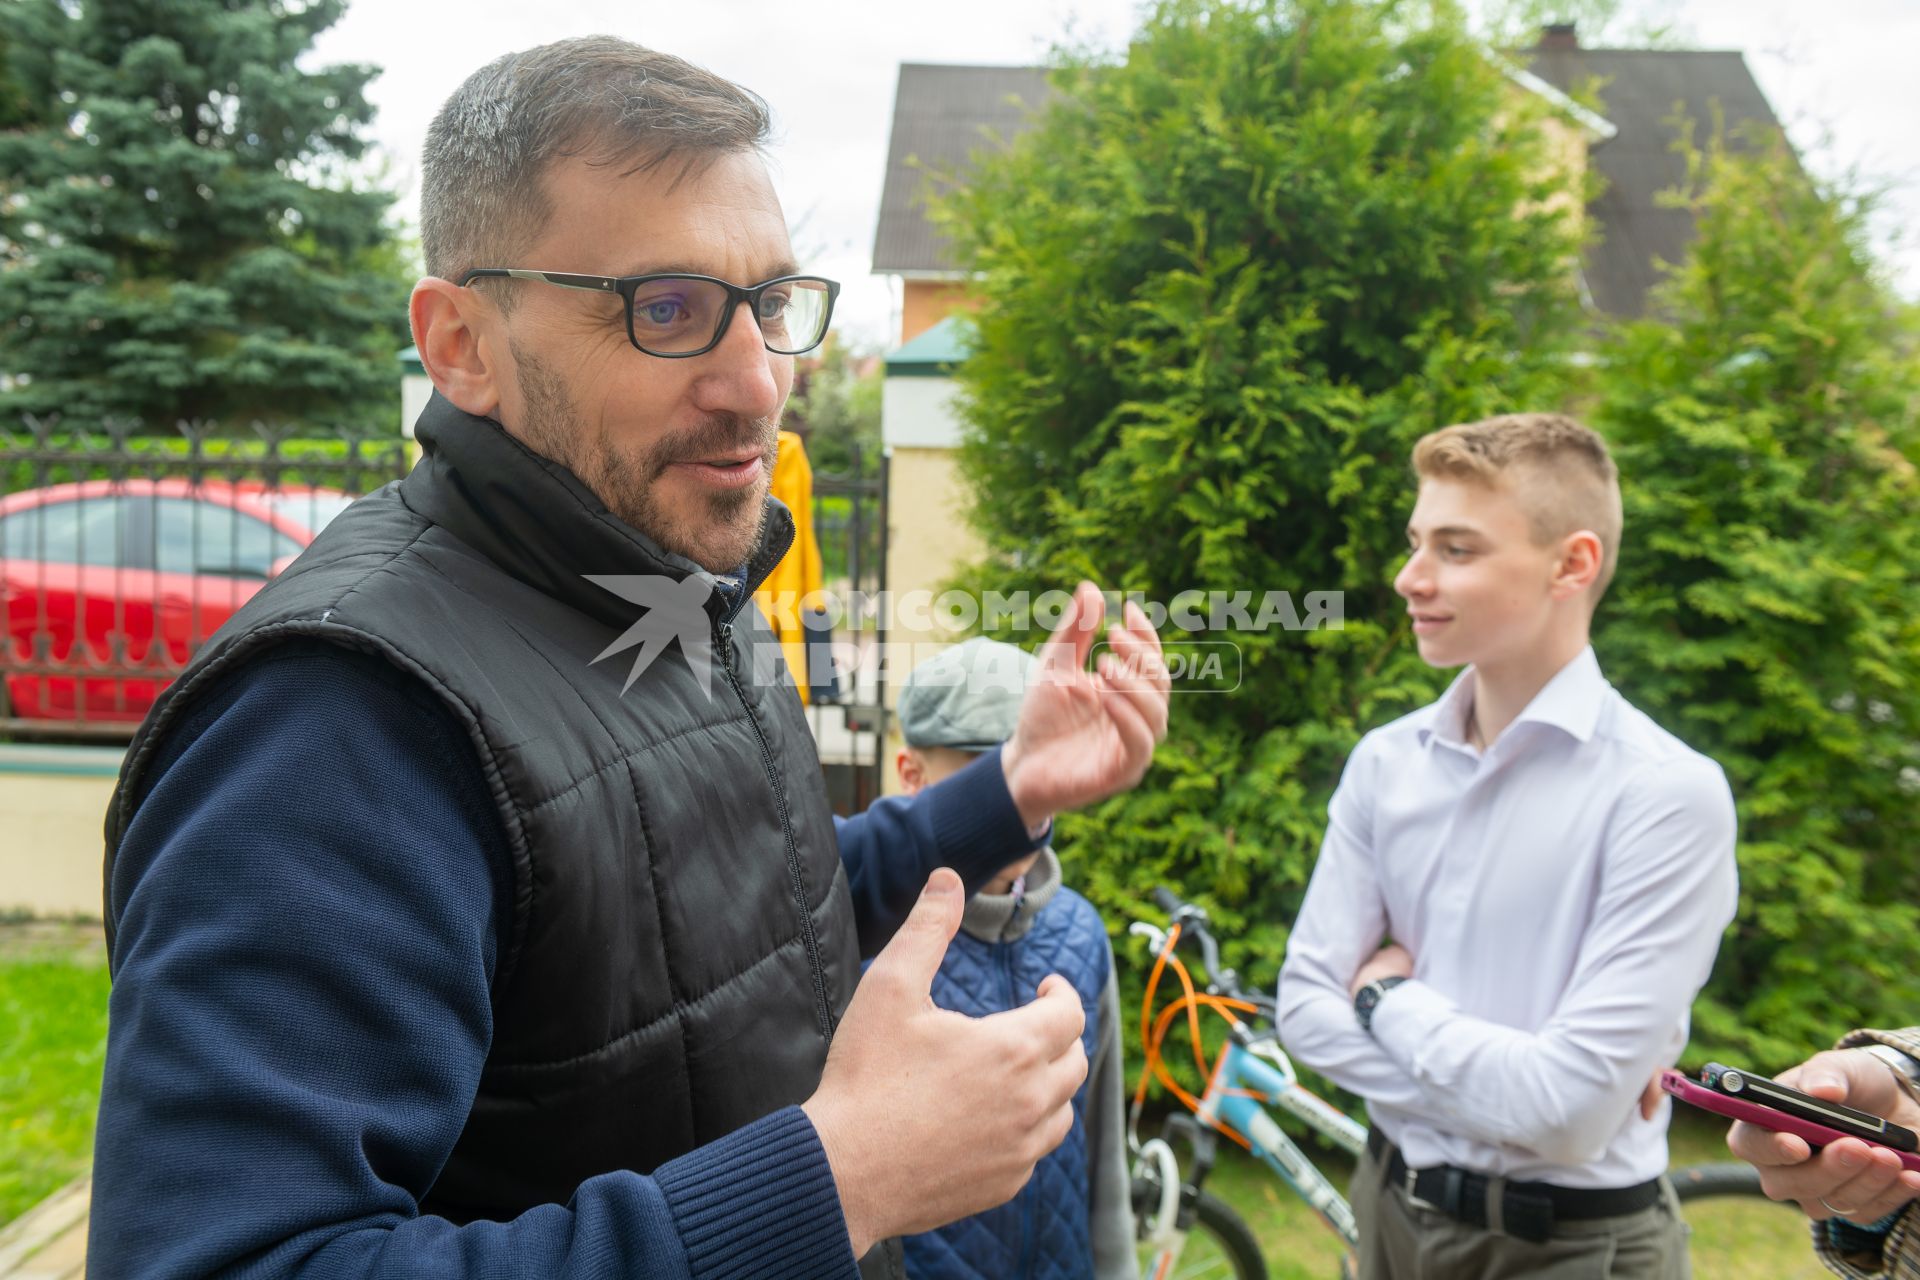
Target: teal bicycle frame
1259,1065
1253,1074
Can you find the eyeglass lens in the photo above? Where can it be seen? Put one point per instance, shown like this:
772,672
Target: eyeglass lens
678,314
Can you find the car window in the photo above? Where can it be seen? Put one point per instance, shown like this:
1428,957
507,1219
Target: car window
205,537
77,531
312,509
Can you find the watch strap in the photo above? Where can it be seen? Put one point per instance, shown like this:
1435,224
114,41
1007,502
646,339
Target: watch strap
1368,998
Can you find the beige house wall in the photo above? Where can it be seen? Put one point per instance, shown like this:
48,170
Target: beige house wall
928,540
925,303
53,805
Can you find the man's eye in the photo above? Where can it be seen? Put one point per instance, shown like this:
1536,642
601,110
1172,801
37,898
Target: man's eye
660,311
774,305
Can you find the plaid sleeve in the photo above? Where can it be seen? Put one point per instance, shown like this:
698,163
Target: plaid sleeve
1889,1249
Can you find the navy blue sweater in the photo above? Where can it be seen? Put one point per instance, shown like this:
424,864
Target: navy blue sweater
309,904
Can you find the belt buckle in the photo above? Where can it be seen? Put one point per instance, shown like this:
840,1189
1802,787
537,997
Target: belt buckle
1409,1183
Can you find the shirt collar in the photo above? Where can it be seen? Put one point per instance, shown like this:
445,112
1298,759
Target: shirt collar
1571,702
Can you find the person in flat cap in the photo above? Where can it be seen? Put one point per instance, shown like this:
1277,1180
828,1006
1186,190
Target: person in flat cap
1073,1218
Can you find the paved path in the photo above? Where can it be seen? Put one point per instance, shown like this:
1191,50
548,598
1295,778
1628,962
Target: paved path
50,1241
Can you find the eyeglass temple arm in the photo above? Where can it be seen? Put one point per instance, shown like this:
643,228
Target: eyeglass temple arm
598,284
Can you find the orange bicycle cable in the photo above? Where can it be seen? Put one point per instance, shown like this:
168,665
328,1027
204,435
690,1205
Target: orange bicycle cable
1148,1048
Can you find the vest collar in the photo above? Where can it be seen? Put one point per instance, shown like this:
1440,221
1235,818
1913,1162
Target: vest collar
1000,917
534,519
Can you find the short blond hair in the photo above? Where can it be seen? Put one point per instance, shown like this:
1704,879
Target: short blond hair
1558,468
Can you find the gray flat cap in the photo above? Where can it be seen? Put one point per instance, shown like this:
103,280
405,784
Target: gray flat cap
967,697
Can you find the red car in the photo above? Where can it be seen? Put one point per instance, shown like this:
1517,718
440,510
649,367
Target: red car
110,586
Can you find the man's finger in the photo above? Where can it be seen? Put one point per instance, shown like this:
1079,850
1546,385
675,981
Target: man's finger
1136,623
1093,607
1866,1188
1054,1019
1065,651
914,955
1141,678
1129,721
1066,1073
1764,1148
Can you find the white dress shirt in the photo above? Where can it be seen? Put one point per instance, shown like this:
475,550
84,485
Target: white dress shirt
1563,895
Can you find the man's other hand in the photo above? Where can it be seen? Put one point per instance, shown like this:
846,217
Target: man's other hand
1847,1179
1085,735
926,1115
1390,961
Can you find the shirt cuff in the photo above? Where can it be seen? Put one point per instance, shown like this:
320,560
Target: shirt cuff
759,1202
1408,1017
1849,1250
976,826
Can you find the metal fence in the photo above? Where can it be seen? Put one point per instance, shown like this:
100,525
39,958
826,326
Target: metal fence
123,550
850,720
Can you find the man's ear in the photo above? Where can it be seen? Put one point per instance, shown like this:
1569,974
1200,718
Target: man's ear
457,355
1581,554
913,774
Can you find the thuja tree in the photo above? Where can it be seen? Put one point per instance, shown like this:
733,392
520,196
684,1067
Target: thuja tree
1224,285
187,229
1766,607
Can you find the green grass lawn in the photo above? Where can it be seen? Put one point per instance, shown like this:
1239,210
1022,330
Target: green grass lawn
53,1022
1732,1239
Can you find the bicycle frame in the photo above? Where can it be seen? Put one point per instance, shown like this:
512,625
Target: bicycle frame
1251,1074
1246,1074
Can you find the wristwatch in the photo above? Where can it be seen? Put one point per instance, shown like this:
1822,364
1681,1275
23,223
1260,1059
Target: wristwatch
1903,1066
1367,999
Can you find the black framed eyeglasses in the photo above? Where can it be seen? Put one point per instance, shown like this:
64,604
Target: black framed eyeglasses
674,316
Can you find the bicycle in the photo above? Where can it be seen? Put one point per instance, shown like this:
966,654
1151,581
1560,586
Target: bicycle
1183,1230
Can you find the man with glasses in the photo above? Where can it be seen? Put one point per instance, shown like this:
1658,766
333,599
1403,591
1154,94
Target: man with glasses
473,899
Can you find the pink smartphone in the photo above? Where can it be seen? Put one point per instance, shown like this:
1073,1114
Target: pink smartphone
1816,1135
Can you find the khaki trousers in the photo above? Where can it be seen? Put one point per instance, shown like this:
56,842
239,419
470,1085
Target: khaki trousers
1400,1240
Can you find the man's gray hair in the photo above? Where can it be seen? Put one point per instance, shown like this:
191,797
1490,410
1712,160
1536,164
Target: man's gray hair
482,192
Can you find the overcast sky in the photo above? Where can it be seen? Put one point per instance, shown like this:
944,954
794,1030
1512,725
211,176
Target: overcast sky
1840,73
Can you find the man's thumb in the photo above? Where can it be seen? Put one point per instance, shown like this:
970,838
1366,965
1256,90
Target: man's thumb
915,953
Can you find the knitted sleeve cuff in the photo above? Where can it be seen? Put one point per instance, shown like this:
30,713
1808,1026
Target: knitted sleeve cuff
759,1202
975,824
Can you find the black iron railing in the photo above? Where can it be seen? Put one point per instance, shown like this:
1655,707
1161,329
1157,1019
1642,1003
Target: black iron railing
123,550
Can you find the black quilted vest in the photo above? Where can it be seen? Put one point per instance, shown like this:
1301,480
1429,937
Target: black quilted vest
682,941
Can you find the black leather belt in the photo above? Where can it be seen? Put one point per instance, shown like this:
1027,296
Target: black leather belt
1527,1209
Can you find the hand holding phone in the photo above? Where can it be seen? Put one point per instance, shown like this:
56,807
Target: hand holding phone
1774,1106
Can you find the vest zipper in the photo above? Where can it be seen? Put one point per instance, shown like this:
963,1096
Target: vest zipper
823,1008
1027,1192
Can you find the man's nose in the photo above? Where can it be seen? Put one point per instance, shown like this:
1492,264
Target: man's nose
1413,579
738,375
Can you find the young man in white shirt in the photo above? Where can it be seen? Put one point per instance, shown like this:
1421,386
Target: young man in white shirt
1521,890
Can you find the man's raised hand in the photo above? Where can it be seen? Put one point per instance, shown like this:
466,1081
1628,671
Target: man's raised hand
1085,735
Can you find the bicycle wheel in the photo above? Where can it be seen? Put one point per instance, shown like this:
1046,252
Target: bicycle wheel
1220,1245
1706,1181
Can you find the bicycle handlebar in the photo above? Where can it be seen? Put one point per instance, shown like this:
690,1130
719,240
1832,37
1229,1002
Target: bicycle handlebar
1192,920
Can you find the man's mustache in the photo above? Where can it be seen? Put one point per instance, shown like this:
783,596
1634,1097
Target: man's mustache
720,435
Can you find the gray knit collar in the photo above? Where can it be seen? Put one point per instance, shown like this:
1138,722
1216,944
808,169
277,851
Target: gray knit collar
1001,917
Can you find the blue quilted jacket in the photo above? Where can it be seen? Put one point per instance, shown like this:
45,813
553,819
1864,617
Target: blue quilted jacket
996,962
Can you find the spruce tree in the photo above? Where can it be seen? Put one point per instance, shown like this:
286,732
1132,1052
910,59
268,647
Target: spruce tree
188,228
1767,607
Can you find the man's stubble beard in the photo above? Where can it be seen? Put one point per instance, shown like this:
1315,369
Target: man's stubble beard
718,538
